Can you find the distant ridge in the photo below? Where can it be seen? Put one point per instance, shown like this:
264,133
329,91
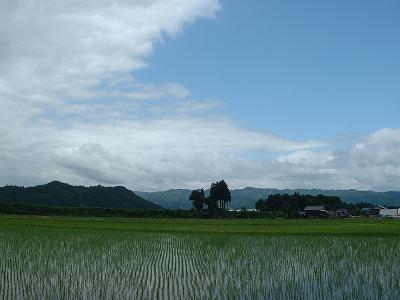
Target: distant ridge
246,197
61,194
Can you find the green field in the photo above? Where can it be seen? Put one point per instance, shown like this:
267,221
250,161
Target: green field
357,226
89,258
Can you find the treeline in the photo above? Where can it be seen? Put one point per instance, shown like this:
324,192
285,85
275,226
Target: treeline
35,210
296,202
25,209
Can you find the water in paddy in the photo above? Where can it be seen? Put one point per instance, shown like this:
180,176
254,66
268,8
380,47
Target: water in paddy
126,265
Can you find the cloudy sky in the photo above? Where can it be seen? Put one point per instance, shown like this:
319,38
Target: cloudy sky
158,94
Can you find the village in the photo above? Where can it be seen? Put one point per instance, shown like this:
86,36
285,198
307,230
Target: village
320,211
378,211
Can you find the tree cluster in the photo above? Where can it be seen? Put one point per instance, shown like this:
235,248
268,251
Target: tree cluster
198,199
296,202
216,202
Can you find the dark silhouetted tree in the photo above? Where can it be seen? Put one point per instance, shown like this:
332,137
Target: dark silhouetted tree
261,205
198,199
219,196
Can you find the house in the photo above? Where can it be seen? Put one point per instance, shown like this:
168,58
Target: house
366,210
389,213
342,213
376,210
316,211
251,210
372,211
247,209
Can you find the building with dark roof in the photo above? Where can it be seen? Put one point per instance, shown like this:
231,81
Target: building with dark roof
316,211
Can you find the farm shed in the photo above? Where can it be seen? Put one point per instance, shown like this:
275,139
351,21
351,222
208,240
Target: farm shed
376,210
390,212
316,211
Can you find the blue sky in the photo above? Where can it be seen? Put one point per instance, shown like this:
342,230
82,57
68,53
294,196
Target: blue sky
162,94
303,70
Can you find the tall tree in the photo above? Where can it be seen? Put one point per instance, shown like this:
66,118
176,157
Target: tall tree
220,195
224,194
212,200
198,199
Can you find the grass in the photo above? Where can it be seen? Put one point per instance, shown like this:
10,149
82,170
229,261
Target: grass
91,258
356,226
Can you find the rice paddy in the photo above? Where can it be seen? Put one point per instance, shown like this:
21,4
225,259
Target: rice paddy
50,262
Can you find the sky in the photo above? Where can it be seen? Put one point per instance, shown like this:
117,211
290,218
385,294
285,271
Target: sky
160,94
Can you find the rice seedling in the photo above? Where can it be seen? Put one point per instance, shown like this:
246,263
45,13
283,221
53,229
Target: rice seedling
76,264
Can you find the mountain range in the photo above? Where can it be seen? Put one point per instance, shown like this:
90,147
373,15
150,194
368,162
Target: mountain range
178,198
61,194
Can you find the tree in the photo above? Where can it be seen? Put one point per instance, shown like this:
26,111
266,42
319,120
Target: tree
198,199
211,205
261,205
219,196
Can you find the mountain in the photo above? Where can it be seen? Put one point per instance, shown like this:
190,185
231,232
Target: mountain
174,199
61,194
248,196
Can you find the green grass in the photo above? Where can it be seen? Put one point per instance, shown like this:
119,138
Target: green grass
91,258
356,226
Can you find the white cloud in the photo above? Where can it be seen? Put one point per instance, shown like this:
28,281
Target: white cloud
307,157
372,163
71,109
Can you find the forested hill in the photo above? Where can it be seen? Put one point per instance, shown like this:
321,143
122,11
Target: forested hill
61,194
248,196
173,199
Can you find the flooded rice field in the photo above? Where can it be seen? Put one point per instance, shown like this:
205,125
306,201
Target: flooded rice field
137,265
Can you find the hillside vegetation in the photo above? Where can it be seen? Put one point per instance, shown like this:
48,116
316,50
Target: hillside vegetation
61,194
178,198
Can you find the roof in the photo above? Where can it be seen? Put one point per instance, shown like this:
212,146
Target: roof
315,207
380,207
390,210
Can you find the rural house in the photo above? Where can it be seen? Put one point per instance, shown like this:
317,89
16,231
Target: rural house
390,213
316,211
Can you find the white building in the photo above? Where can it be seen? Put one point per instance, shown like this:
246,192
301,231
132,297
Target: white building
390,212
248,210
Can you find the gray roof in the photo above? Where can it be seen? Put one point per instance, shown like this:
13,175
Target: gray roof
315,207
380,207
